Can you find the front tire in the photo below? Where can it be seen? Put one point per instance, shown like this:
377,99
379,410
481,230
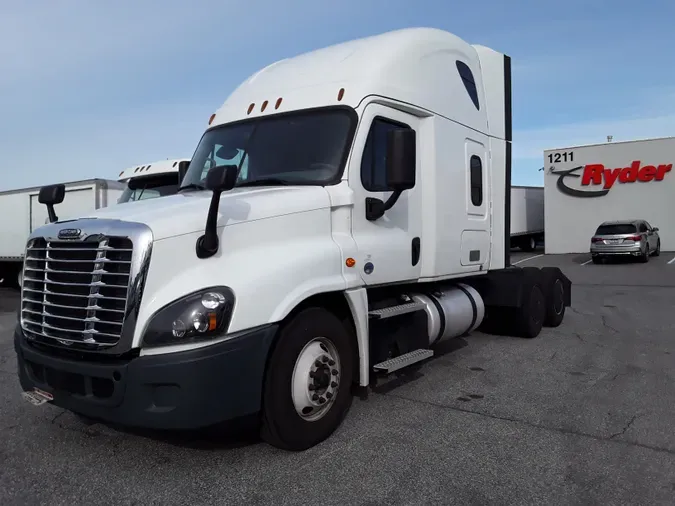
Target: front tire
307,390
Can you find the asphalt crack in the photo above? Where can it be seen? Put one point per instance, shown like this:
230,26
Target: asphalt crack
569,432
623,431
607,325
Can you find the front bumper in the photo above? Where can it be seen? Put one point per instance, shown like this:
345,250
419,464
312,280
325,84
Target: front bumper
183,390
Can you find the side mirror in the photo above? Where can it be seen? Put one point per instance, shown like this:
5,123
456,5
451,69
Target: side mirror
401,162
655,229
219,179
182,170
401,159
50,196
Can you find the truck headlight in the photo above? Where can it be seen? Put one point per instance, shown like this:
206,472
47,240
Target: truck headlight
199,316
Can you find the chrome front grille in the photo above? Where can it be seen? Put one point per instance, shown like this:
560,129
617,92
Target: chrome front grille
75,292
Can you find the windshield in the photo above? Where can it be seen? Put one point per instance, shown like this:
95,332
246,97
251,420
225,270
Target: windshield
618,229
309,147
149,187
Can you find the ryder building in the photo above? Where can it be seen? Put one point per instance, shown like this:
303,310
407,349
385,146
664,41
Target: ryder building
586,185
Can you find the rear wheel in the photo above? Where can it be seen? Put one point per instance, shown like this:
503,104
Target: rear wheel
307,391
529,317
554,291
657,251
644,257
528,244
597,260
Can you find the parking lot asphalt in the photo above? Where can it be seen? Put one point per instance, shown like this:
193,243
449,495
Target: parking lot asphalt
581,415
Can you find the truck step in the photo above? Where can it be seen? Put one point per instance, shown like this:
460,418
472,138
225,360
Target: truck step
394,364
388,312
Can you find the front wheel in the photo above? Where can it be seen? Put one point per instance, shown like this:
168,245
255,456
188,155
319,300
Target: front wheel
307,391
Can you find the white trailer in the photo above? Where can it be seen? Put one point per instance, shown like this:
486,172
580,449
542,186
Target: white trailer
344,212
157,179
527,217
22,214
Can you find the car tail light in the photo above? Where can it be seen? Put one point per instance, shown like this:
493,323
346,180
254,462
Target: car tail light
635,238
595,239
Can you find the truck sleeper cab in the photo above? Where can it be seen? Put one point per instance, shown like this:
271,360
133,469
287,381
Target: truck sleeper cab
345,211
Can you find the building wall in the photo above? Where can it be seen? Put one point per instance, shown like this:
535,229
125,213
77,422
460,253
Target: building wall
635,193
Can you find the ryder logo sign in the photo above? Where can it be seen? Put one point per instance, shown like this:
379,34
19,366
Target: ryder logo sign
597,175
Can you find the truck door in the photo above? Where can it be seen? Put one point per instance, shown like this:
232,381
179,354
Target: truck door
389,247
475,243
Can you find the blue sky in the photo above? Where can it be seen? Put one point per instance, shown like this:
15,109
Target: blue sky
88,88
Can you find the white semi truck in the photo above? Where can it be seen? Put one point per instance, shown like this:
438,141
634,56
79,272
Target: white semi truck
345,211
527,217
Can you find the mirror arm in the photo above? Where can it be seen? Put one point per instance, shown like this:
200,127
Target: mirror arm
393,198
375,208
207,244
52,214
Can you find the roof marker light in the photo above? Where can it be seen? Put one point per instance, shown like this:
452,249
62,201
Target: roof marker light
341,94
213,116
250,108
276,106
264,106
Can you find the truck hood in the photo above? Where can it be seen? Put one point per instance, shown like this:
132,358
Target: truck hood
186,212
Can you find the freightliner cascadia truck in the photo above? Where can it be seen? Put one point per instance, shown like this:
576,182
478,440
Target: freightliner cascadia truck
345,211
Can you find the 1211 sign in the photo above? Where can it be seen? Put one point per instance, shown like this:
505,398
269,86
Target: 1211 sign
567,156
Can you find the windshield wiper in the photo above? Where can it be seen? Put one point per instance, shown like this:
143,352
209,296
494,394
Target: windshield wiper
266,181
192,186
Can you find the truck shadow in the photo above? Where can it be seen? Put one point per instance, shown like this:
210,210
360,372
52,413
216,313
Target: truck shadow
230,435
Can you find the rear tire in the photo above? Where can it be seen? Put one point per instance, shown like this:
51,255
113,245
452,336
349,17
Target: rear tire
554,291
597,260
644,258
529,317
528,244
297,376
657,252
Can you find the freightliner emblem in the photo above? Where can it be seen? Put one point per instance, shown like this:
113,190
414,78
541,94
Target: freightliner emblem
70,233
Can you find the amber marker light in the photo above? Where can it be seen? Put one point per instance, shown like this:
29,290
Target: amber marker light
350,262
213,116
276,106
212,321
250,108
341,94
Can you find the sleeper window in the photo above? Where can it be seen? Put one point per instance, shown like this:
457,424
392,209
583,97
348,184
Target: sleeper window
476,181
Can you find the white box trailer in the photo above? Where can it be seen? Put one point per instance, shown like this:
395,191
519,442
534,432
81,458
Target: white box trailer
22,214
345,212
613,181
527,217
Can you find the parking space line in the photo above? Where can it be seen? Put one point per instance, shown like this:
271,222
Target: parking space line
587,262
528,258
671,260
